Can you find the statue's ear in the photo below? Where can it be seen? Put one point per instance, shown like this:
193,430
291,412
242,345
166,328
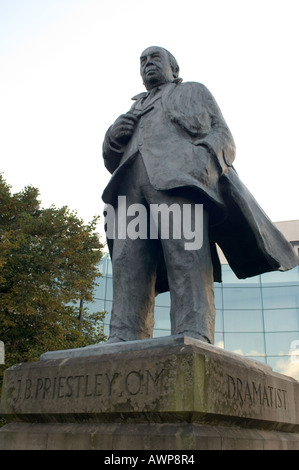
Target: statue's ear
175,72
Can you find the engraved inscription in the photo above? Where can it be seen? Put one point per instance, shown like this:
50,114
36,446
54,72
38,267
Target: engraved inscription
90,385
254,393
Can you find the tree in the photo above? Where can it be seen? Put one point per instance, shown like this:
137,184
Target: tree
48,264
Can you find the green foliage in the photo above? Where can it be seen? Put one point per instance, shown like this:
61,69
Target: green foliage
48,263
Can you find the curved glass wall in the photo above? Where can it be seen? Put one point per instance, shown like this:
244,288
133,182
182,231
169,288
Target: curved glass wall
257,317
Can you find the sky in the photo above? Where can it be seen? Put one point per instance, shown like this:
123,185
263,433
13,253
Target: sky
68,69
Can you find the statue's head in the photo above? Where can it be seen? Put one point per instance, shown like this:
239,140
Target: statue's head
157,66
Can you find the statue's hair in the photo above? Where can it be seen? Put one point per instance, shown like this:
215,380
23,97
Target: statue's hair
173,63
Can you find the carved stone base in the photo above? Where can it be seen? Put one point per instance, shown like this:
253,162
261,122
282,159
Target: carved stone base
173,393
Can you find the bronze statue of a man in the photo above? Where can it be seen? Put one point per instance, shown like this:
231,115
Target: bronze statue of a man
174,149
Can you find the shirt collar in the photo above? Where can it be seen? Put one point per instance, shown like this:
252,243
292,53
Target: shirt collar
151,92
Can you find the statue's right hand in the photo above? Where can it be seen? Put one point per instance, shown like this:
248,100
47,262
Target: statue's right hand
123,128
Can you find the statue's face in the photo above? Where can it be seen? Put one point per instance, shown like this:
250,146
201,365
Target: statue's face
155,68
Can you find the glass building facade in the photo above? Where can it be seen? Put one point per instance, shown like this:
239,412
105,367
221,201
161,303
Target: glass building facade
257,317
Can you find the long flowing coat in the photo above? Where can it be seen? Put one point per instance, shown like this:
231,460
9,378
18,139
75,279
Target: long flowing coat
185,143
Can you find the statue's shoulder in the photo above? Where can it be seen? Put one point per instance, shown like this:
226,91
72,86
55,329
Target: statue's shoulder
186,94
195,85
188,89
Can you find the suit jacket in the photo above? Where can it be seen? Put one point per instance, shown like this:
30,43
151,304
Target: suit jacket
183,139
185,143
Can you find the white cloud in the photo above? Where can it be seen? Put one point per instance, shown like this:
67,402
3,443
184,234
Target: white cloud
289,367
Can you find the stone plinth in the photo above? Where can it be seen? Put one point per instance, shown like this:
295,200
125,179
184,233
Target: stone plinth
173,393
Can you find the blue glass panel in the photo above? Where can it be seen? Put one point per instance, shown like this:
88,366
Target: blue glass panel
243,320
228,276
278,344
100,290
242,298
219,321
158,333
218,297
163,300
246,344
108,307
109,266
162,319
281,320
109,289
281,297
103,265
